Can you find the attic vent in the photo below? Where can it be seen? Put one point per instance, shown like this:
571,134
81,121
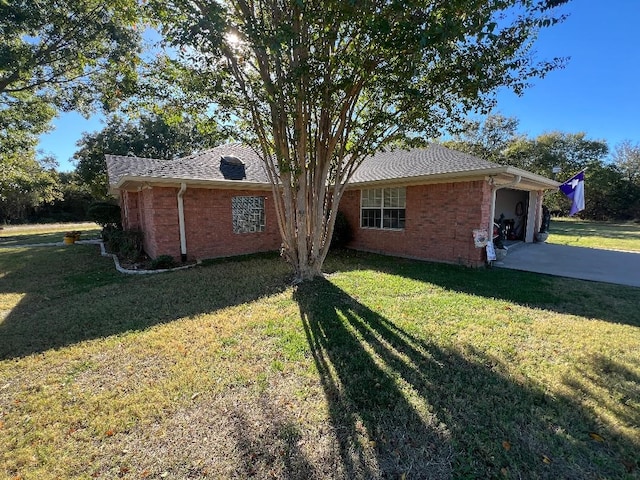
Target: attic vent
232,168
231,160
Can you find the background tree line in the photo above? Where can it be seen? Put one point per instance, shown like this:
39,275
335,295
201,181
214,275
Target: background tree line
612,178
57,57
33,190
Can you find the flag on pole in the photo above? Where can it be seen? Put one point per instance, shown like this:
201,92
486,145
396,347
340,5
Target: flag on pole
574,189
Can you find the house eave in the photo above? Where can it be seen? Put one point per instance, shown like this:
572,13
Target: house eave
497,175
532,177
129,182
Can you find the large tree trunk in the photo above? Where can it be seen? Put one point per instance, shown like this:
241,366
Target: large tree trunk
306,224
306,206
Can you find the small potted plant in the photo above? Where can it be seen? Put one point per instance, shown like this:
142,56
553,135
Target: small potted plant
71,237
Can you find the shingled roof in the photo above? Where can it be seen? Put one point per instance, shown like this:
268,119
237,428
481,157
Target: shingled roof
203,167
418,162
392,165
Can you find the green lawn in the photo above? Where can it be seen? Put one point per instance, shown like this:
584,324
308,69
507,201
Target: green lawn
585,233
389,368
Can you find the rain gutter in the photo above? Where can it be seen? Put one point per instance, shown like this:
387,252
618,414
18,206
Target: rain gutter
183,235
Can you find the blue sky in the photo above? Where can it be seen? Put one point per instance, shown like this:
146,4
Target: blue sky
597,93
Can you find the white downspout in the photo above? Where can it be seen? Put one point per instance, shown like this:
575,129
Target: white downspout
183,234
494,189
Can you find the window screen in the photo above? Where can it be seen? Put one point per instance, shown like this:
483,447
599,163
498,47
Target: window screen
383,208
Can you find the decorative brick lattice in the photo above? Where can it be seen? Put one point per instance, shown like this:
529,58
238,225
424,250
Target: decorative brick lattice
248,214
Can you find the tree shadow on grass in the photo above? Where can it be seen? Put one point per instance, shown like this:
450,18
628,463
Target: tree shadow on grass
66,295
602,301
270,444
618,380
400,405
242,434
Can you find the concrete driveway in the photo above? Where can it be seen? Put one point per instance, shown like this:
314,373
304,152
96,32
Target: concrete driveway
608,266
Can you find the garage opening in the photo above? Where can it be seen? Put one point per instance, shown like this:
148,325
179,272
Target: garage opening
512,212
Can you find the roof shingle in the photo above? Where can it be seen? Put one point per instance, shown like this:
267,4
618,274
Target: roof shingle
418,162
207,166
203,166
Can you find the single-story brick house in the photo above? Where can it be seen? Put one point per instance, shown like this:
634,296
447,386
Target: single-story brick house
422,203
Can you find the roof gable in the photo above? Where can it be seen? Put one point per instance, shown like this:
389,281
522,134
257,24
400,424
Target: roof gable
204,166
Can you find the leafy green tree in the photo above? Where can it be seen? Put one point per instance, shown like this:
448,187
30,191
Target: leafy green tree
25,184
63,55
570,153
626,156
321,85
21,123
150,136
609,196
488,138
496,138
71,205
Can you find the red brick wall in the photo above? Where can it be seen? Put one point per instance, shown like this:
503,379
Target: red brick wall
208,224
137,211
440,220
130,210
161,222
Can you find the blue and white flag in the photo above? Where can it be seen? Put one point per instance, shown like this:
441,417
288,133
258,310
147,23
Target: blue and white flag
574,189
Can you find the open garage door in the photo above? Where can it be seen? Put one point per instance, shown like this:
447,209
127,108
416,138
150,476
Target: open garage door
515,208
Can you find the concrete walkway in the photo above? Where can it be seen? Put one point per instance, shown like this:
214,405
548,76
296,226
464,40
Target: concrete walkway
608,266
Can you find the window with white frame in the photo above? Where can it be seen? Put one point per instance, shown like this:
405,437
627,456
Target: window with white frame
383,208
248,214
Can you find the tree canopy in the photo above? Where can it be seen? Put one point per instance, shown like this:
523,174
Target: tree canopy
612,185
324,84
25,184
627,158
63,55
151,136
487,138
